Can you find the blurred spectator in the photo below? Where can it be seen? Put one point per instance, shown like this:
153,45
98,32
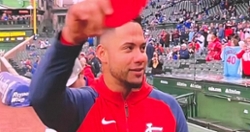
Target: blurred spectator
156,64
94,62
150,50
194,48
244,55
91,41
168,54
214,48
87,72
184,53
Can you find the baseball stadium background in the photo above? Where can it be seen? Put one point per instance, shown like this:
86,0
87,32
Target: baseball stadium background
212,104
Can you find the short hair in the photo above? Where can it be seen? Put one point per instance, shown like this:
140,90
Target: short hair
138,20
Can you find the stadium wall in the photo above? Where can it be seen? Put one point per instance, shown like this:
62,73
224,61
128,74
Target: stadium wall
4,64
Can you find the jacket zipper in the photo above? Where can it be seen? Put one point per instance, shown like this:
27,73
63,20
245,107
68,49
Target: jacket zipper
127,114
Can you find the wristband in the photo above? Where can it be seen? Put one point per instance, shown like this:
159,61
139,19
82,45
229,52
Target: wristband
65,42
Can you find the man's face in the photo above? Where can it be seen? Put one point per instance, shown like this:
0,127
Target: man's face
183,47
124,56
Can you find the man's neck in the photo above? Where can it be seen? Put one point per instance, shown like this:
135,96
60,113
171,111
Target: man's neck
115,86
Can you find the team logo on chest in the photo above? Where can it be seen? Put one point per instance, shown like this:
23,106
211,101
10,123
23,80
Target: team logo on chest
151,128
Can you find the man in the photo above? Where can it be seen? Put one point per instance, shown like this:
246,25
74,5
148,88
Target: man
150,49
121,100
76,80
164,38
200,39
221,33
183,53
94,62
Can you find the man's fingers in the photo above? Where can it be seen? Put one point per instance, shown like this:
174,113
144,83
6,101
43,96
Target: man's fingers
106,6
81,12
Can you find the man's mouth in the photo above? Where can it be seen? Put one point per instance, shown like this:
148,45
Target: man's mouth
138,71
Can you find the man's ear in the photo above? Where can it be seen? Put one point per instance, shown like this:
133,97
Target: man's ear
101,53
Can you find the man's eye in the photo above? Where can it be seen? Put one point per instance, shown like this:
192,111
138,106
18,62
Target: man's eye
143,48
129,48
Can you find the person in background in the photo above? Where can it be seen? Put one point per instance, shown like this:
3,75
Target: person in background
176,36
163,38
184,53
159,49
47,42
194,48
175,53
209,36
91,41
156,65
221,33
31,69
94,62
241,34
228,30
169,54
200,39
214,48
150,50
35,64
76,79
244,55
87,72
43,45
233,42
247,31
191,35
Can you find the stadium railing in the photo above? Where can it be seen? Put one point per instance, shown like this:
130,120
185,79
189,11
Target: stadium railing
26,23
4,63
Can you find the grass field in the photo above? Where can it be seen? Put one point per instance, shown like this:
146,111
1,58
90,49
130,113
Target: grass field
16,3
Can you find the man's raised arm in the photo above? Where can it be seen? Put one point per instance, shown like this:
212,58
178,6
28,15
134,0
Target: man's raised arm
59,107
56,105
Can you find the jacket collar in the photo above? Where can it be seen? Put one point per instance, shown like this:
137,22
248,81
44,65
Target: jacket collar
117,97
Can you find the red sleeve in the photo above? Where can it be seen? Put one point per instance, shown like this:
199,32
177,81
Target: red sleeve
240,54
89,75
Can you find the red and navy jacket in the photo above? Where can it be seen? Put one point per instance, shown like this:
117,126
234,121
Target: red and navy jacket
97,108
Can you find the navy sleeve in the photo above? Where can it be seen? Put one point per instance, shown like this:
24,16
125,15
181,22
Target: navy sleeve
58,107
175,108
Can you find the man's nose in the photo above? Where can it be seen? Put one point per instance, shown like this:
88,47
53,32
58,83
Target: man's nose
140,57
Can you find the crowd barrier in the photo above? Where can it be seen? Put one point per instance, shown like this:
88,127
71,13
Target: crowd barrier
14,90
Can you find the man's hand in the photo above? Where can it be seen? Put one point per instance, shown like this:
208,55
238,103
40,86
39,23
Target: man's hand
85,19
